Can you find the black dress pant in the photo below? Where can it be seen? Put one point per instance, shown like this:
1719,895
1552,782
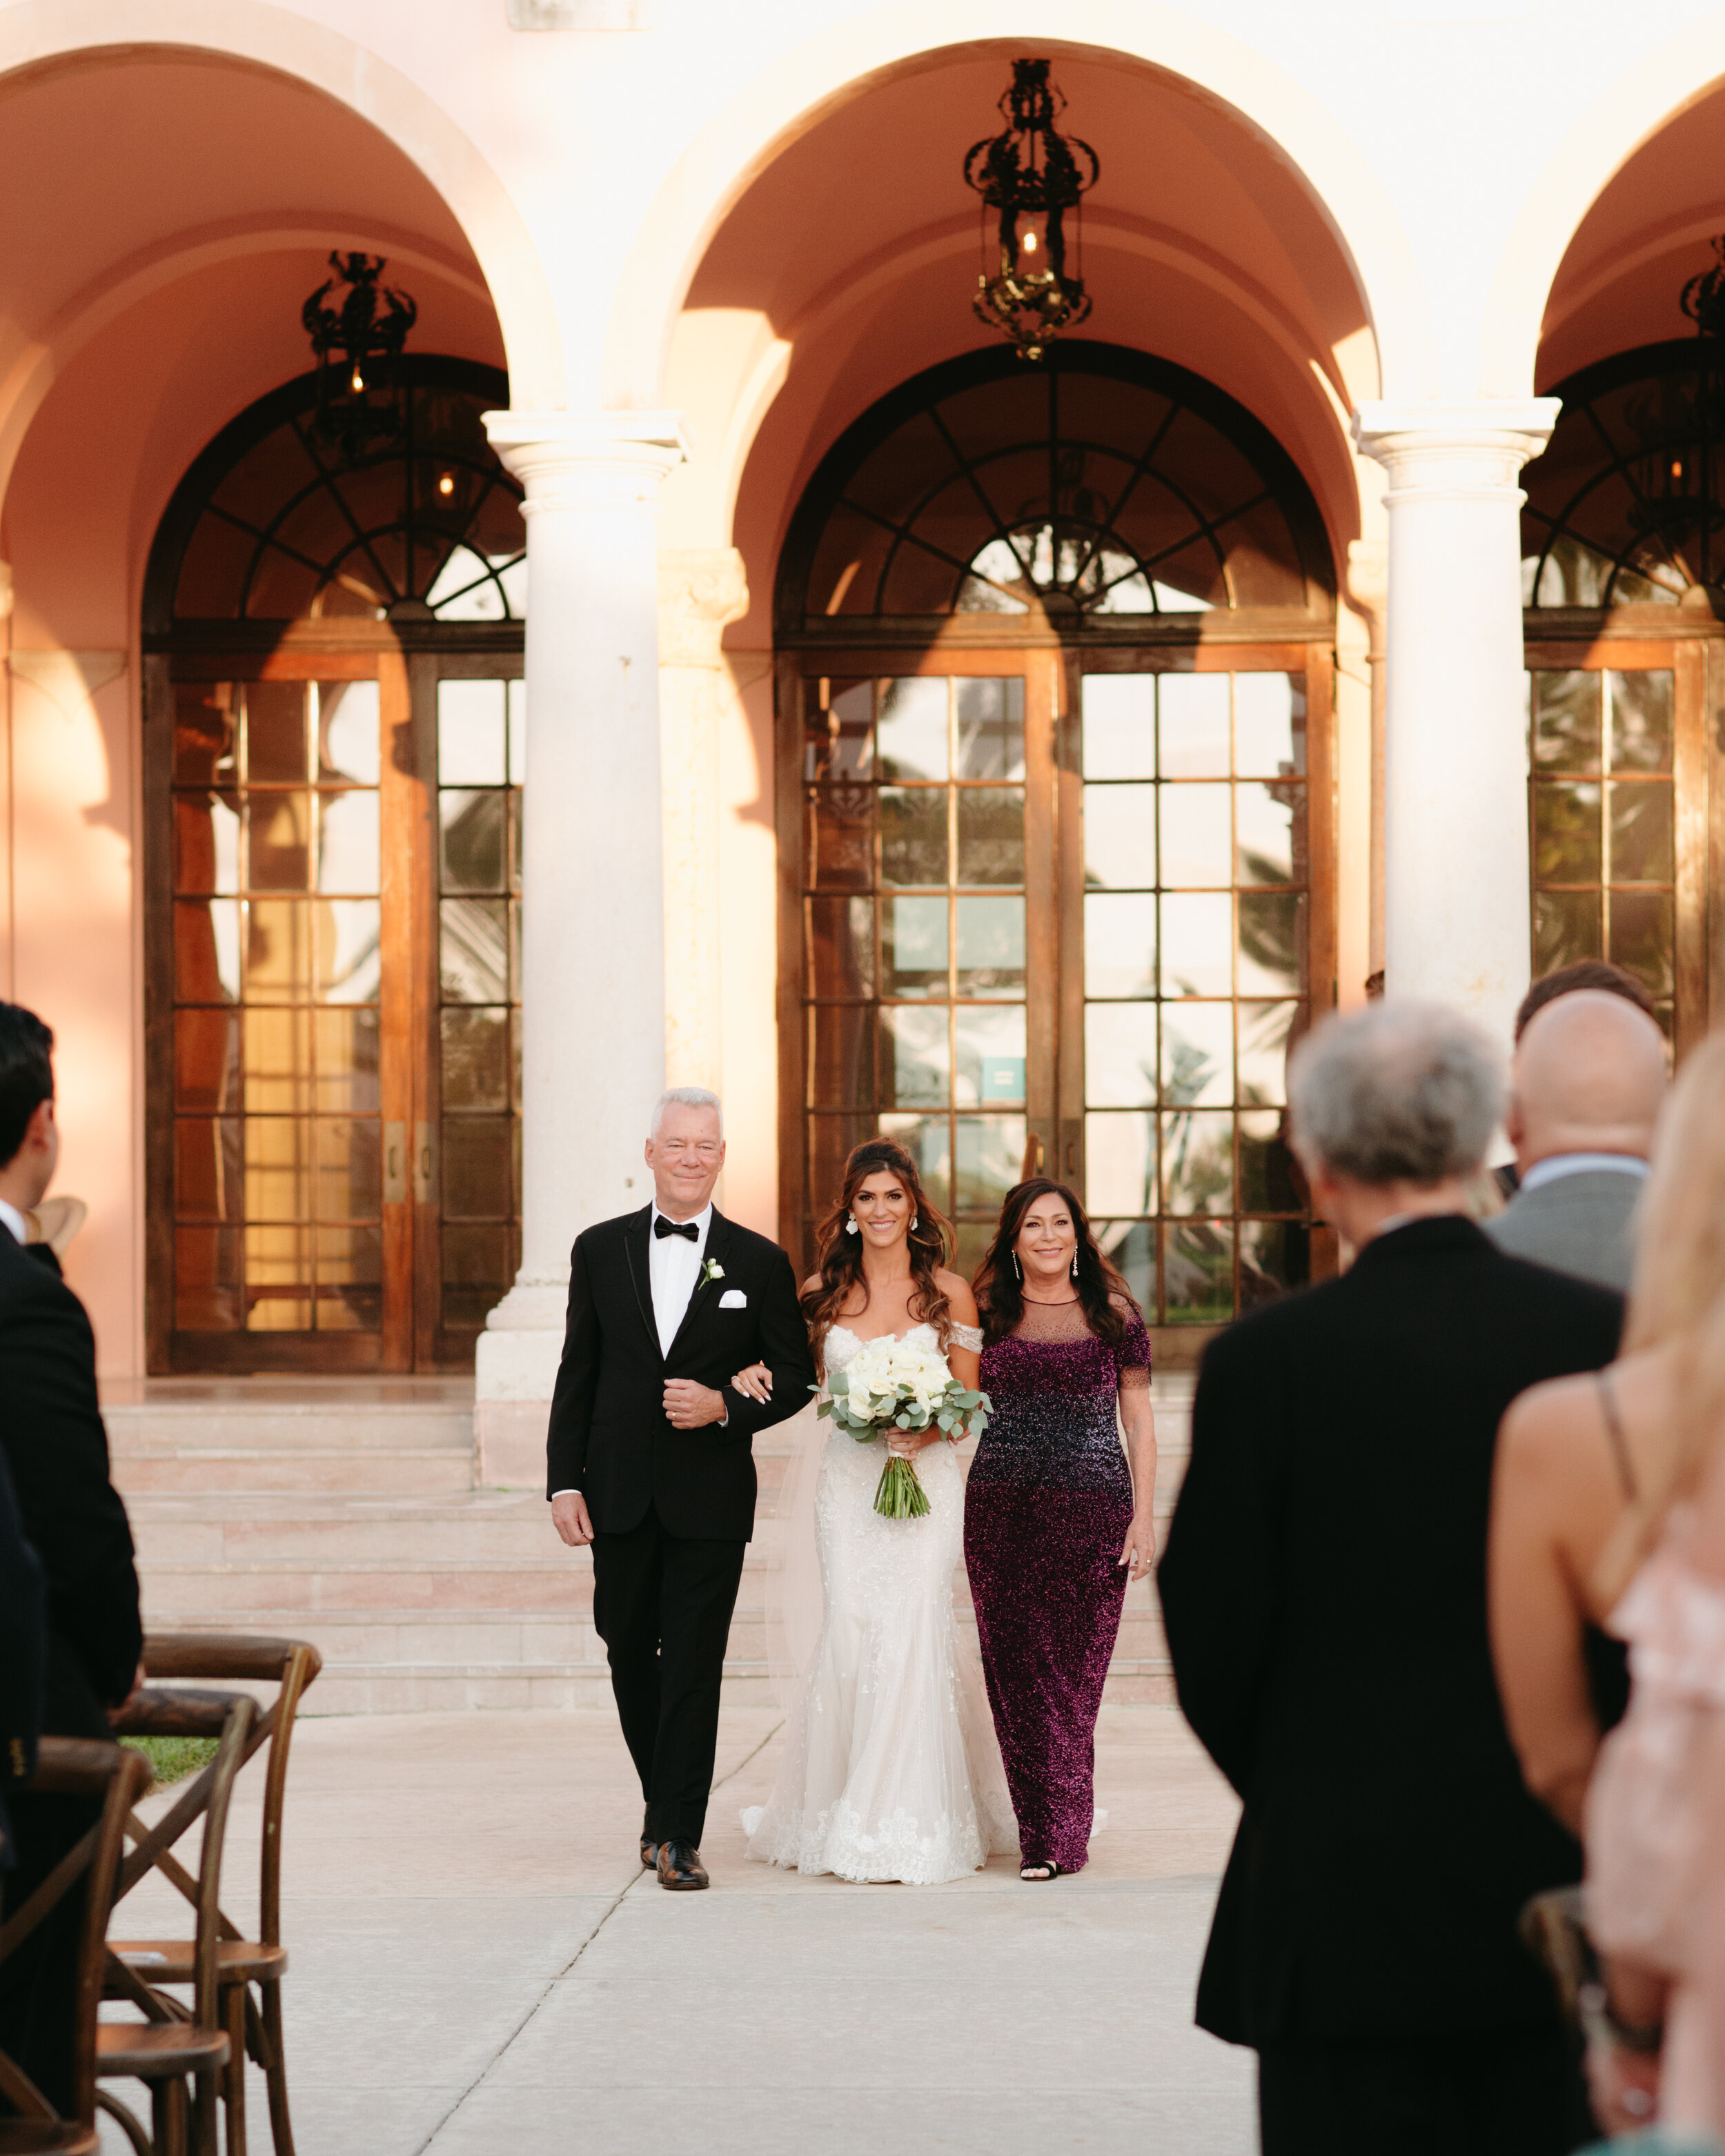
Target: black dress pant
37,1982
662,1605
1488,2092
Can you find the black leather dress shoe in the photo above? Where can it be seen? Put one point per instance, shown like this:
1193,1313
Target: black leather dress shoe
649,1854
680,1868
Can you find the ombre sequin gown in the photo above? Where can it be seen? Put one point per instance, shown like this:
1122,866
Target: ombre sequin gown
1047,1511
891,1769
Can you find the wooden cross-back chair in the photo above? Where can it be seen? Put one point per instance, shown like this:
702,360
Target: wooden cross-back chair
72,1767
174,2047
254,2026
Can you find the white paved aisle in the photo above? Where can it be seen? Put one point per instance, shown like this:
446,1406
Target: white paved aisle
478,1966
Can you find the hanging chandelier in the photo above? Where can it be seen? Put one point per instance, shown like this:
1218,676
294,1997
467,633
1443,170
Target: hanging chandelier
1031,174
357,344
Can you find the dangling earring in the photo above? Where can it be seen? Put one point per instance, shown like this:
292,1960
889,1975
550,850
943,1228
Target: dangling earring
913,1224
850,1225
1018,1271
1074,1264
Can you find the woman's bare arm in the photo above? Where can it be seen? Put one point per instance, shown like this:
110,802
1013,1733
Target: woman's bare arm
1138,1420
1549,1452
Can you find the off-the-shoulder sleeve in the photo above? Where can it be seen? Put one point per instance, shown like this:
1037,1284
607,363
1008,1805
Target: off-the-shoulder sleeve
969,1336
1131,1355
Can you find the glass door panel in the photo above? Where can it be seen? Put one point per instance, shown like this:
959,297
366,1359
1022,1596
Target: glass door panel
467,1144
1190,893
918,1002
282,961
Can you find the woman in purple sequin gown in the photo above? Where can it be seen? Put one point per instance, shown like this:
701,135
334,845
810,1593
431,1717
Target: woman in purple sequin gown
1057,1518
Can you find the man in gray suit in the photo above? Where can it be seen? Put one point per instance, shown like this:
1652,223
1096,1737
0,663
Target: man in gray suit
1590,1076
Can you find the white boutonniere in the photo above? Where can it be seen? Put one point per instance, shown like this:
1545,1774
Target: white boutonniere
711,1270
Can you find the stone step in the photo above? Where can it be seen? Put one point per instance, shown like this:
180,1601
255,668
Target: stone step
284,1470
305,1429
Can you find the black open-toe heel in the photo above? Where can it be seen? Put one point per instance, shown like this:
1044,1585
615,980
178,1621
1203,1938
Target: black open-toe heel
1035,1869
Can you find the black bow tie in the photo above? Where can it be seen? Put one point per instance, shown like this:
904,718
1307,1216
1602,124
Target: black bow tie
662,1227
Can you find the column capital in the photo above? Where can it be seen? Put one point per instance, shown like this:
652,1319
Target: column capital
701,590
1454,449
588,460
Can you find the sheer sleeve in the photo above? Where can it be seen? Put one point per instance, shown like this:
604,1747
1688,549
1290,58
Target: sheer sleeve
967,1336
1132,1354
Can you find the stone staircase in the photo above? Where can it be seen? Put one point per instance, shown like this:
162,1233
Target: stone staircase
344,1511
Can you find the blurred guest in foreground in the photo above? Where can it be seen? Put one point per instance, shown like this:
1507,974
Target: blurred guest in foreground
1581,1462
1594,1521
1324,1591
1588,1077
56,1451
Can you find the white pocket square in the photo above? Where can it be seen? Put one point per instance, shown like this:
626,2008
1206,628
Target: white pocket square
733,1298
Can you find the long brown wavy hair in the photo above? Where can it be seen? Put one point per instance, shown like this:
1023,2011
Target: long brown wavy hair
841,1255
1106,1299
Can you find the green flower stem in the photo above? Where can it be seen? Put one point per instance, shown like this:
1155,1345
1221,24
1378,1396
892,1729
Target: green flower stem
901,1494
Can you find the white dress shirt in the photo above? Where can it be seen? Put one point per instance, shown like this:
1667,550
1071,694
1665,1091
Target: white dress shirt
1558,1164
673,1267
13,1218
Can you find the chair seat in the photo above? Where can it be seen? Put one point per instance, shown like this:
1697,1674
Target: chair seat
158,2050
60,2136
170,1961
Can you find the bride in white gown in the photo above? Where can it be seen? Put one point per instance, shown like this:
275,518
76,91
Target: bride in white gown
891,1769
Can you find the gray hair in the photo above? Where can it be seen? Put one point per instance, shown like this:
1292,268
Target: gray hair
685,1096
1398,1092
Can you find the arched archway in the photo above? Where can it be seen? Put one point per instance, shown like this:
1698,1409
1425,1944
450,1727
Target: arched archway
1055,704
332,801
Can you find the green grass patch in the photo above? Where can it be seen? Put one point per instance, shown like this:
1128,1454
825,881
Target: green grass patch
172,1758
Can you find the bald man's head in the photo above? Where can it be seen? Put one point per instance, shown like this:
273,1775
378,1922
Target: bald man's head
1590,1076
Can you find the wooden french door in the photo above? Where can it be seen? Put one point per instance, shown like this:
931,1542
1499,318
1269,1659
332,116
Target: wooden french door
1074,905
1622,848
333,932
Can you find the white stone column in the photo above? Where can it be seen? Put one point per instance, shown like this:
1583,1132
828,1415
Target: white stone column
1456,885
593,882
700,588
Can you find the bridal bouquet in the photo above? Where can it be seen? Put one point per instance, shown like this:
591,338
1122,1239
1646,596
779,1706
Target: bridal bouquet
899,1384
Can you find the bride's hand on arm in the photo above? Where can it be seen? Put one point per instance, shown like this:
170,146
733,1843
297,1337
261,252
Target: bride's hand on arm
754,1384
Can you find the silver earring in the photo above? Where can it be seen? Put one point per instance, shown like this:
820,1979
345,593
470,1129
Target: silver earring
913,1224
1018,1271
850,1225
1074,1264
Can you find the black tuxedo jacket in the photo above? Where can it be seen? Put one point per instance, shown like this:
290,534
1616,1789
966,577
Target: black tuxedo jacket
1324,1594
609,1435
57,1451
24,1654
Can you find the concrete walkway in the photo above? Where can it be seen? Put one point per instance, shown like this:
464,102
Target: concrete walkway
480,1969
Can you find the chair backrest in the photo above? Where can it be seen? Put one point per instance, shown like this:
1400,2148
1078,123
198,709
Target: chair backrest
77,1767
249,1657
230,1757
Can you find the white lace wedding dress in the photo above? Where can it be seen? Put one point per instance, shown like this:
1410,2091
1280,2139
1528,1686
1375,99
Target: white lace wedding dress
891,1769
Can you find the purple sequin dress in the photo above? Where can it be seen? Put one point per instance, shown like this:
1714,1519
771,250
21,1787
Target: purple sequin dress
1047,1510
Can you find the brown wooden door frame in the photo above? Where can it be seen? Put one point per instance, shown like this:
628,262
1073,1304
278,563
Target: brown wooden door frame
1052,676
391,1348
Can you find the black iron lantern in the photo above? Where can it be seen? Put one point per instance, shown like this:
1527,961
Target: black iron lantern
1031,174
357,345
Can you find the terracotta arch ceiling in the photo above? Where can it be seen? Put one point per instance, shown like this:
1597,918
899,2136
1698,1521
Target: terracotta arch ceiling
854,253
139,170
1645,234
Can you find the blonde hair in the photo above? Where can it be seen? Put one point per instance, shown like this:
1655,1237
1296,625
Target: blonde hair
1677,1300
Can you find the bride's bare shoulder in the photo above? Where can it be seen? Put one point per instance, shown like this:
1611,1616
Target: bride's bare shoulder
811,1285
960,1301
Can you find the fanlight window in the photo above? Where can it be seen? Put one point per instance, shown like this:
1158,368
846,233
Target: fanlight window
282,528
1624,508
1100,484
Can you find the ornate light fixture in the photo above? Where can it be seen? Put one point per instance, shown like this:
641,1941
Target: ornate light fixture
1032,174
357,345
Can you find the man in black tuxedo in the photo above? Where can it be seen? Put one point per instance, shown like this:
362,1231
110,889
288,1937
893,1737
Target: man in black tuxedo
649,1453
1324,1594
56,1451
